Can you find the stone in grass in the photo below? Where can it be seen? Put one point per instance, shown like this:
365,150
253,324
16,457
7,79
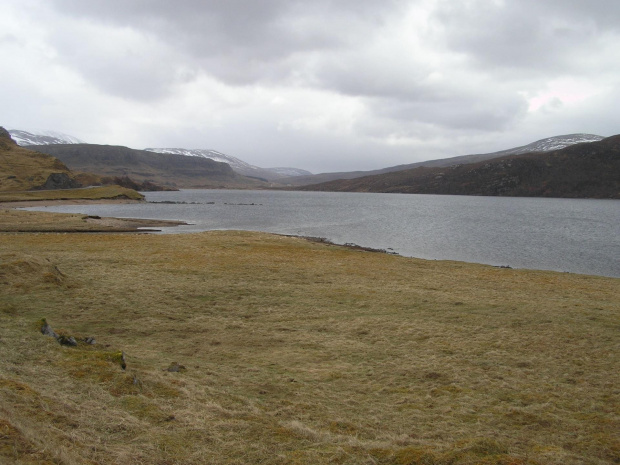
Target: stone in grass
64,340
47,330
67,341
176,367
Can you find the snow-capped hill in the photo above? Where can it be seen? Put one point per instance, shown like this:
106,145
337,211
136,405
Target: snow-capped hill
285,172
239,166
234,162
544,145
42,137
555,143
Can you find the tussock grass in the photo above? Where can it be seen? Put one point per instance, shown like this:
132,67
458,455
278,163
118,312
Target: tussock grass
299,352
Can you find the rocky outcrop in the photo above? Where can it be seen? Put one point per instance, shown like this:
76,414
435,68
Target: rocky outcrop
5,139
60,181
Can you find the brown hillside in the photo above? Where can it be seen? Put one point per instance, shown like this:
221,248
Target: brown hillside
23,169
140,165
590,170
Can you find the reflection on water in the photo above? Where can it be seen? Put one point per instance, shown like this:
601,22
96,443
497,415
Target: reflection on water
575,235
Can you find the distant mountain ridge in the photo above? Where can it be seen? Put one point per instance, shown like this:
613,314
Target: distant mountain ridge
241,167
542,145
164,169
585,170
44,137
24,138
285,176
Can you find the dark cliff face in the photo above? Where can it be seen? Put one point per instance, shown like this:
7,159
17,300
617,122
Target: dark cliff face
5,139
4,134
590,170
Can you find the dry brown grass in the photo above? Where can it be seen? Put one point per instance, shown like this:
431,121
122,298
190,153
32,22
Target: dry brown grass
298,352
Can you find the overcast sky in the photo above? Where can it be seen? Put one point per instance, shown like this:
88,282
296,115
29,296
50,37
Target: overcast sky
325,85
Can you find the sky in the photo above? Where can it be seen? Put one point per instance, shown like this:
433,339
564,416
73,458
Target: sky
323,85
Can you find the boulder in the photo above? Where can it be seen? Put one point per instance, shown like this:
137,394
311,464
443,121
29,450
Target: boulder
60,181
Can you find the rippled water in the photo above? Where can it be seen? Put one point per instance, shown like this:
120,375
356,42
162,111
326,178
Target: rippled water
581,236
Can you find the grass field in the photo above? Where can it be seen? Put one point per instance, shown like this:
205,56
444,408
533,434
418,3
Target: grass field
295,352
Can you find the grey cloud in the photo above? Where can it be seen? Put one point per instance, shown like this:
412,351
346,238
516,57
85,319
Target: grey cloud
364,73
9,39
459,113
525,35
120,63
240,33
397,84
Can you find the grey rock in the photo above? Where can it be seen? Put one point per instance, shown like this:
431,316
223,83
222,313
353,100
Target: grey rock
47,330
67,341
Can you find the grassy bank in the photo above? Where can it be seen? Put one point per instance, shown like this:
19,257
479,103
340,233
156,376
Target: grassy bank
25,221
94,193
298,352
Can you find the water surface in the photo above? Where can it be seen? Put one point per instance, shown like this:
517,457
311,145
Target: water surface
574,235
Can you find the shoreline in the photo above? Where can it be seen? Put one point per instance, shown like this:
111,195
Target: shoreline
96,224
51,203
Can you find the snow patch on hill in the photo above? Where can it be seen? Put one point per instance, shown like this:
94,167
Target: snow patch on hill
556,143
41,137
240,166
234,162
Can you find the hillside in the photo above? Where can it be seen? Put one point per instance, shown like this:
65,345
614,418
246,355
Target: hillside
542,145
40,137
584,170
239,166
139,165
22,169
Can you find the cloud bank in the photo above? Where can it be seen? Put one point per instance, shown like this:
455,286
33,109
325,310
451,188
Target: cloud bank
320,85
